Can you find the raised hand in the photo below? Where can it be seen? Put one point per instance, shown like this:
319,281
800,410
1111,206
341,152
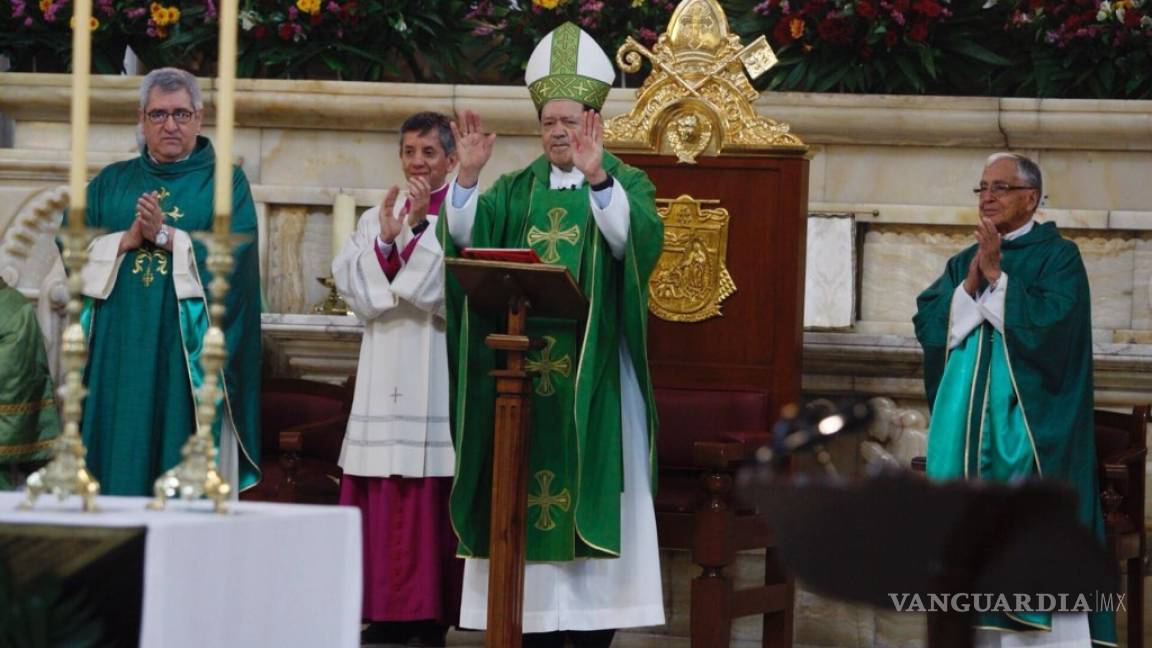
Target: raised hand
390,226
588,147
419,195
473,148
988,255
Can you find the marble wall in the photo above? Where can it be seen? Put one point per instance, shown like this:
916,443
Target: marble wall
890,193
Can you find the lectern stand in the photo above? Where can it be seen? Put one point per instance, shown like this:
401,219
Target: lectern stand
513,290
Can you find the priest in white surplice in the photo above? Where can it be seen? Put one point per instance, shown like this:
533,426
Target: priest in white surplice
397,456
593,562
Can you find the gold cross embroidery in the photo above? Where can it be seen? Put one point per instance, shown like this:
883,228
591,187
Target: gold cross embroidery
545,365
174,213
159,257
554,235
546,500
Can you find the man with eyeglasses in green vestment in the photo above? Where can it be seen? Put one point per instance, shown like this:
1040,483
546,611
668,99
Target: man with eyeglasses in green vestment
1007,337
146,310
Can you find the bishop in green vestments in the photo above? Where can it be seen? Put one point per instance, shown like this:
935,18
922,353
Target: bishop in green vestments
146,312
1007,338
28,418
591,448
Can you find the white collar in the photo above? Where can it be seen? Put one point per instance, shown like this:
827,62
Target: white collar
561,179
1023,229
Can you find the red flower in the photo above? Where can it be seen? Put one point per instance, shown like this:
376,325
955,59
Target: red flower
901,5
260,32
781,33
316,19
1132,18
285,31
919,31
890,39
929,8
835,30
866,9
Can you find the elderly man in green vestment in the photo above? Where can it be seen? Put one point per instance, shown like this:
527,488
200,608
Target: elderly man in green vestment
146,311
1007,337
28,418
593,563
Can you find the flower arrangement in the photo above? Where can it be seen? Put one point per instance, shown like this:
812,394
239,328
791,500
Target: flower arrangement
1084,48
351,39
1046,48
514,27
888,46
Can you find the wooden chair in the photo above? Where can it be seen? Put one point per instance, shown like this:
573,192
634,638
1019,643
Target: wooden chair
302,428
704,436
1121,450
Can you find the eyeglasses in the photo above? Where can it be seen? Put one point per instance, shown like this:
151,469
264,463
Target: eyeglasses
180,116
998,189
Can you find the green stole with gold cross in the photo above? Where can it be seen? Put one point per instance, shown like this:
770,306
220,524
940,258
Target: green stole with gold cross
575,473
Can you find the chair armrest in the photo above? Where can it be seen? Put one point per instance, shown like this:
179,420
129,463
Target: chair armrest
718,455
731,449
321,439
1126,458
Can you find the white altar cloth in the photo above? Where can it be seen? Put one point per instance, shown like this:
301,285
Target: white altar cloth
275,575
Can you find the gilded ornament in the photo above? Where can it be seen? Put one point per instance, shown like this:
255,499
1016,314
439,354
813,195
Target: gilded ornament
691,278
545,499
698,98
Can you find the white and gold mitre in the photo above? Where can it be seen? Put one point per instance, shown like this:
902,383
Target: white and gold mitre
569,64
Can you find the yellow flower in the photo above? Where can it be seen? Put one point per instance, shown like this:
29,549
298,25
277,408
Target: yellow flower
44,4
796,27
92,23
546,4
173,15
308,6
637,3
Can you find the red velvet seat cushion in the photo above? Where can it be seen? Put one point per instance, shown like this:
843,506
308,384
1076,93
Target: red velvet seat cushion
690,415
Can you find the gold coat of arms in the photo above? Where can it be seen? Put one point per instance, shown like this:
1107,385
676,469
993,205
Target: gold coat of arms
691,279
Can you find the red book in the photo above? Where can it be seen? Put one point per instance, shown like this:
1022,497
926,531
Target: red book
511,255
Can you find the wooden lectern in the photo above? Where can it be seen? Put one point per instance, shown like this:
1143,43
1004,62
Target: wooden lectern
513,290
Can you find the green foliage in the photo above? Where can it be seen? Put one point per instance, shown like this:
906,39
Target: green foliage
1027,48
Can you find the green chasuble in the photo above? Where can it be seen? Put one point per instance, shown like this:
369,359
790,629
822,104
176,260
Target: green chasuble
145,341
1018,405
28,418
575,472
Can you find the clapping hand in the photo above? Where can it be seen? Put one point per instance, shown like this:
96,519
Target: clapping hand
390,226
419,195
985,265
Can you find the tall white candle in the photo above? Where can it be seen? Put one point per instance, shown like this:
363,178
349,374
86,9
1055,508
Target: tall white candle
225,113
343,220
81,64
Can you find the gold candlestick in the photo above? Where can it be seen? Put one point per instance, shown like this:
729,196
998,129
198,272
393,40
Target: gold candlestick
67,473
196,475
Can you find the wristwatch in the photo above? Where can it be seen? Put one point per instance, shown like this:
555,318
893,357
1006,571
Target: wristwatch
162,236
